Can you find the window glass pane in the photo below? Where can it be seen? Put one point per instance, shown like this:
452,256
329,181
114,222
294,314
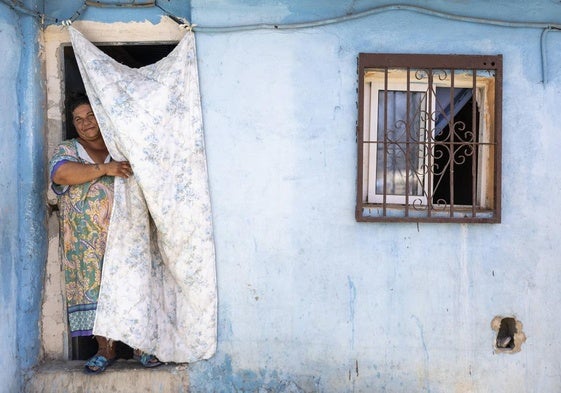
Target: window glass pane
402,155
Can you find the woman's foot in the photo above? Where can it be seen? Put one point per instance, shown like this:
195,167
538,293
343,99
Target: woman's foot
146,359
104,357
97,364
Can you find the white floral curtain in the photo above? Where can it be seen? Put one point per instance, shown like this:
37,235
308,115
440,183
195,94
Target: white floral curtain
158,290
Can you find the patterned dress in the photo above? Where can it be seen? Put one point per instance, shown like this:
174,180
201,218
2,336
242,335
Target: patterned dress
84,212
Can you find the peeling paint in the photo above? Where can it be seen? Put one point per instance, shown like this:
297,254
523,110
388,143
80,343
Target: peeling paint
218,375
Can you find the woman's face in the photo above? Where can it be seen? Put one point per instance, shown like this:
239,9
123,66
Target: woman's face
85,123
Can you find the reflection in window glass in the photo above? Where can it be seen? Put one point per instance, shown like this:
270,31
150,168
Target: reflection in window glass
402,159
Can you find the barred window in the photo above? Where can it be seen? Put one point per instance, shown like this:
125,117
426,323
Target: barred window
429,138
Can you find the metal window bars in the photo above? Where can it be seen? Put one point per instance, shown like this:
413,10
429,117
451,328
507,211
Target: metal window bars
429,138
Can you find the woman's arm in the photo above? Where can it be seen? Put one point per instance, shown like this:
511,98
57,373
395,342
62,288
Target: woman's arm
70,173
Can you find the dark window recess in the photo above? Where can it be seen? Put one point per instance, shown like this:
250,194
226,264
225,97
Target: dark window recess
429,138
462,177
135,56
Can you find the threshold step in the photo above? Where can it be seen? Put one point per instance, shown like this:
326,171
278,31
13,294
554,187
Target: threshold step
122,377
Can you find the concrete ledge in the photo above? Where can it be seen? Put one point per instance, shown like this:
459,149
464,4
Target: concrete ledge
122,377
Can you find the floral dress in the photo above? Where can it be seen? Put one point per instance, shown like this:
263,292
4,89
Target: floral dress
84,212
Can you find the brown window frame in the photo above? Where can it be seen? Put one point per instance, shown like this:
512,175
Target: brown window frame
415,183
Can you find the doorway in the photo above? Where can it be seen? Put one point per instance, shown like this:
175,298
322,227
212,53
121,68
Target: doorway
131,55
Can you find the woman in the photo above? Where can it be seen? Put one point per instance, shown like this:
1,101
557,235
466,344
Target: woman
82,175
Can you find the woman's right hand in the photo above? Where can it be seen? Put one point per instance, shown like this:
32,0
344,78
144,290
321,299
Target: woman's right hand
118,169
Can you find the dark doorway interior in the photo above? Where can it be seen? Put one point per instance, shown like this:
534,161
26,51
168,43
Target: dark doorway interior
135,56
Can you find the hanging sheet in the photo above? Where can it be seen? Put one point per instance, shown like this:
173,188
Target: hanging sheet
158,290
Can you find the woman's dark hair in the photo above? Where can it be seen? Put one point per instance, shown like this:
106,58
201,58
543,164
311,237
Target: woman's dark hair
75,100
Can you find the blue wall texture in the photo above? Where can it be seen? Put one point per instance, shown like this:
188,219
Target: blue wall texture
10,52
22,200
311,300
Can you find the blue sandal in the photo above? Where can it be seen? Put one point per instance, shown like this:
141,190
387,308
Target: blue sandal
97,364
147,360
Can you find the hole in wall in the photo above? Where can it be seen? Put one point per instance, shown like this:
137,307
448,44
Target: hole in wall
509,335
505,337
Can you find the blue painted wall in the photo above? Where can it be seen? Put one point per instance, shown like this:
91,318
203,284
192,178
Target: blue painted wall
22,201
311,300
75,9
10,52
309,297
32,228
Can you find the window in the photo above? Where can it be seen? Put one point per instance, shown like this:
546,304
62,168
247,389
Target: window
429,138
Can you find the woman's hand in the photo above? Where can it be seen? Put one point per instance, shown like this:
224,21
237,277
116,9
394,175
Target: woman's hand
118,169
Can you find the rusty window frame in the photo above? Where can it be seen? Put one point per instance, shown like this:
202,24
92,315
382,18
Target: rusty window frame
438,71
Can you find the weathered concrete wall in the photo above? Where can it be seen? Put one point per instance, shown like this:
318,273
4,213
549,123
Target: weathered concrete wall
309,297
310,300
22,229
31,171
10,53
